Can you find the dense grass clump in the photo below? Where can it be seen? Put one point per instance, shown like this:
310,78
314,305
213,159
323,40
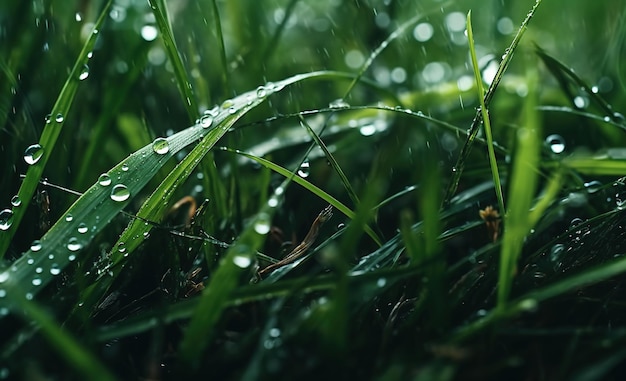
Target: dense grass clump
294,189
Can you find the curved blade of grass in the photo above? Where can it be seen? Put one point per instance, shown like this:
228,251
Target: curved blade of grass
493,163
557,69
159,9
51,132
310,187
332,160
473,131
157,203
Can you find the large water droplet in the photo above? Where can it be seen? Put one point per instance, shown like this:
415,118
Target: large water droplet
54,269
556,143
59,118
161,146
15,201
35,246
84,73
243,261
262,224
32,154
6,219
73,244
206,121
82,228
104,179
305,169
120,193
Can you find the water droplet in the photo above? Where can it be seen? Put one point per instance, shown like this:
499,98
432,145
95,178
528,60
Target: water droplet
69,218
339,103
381,282
71,258
242,261
121,247
54,269
36,281
6,219
35,246
262,224
556,143
261,92
206,121
3,293
39,270
59,118
120,193
529,305
104,179
227,104
84,73
274,332
30,261
581,102
575,222
593,186
368,130
272,202
4,276
32,154
15,201
48,119
161,146
304,169
74,245
125,167
82,228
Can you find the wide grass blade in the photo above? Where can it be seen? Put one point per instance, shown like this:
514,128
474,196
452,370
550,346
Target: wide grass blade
51,132
522,186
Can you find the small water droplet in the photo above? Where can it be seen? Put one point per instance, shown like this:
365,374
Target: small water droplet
556,143
575,222
35,246
30,261
48,119
15,201
242,261
104,180
272,202
71,258
6,219
3,293
121,247
32,154
339,103
73,244
161,146
39,270
125,167
84,73
59,118
262,224
261,92
227,104
381,282
206,121
120,193
593,186
36,281
305,169
82,228
368,130
69,218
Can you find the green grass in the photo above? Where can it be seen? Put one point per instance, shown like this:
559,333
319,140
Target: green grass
264,114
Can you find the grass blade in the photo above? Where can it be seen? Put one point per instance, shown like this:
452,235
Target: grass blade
473,131
493,163
52,131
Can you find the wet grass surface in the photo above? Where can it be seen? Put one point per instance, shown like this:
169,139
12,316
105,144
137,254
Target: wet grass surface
155,156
